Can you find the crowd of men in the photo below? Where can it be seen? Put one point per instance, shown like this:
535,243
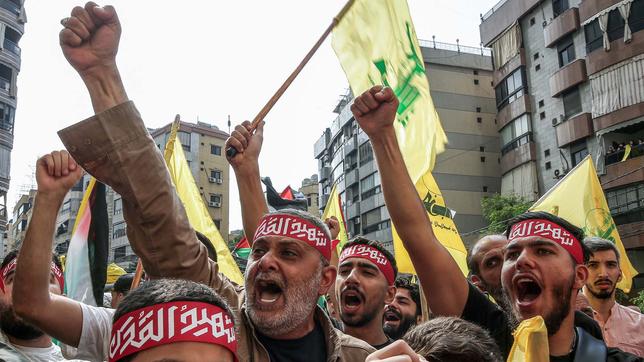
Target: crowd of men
188,311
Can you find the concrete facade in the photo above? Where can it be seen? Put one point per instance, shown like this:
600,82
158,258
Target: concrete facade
460,82
566,59
310,190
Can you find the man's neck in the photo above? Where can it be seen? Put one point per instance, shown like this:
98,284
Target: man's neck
43,341
560,343
371,333
601,306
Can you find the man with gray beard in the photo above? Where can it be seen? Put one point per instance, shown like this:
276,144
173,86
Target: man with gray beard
288,268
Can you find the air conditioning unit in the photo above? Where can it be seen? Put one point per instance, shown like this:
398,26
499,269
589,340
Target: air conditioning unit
214,204
212,180
219,181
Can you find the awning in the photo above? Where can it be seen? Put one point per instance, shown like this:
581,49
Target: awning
621,125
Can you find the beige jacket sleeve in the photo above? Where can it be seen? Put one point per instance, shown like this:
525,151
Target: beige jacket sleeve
116,148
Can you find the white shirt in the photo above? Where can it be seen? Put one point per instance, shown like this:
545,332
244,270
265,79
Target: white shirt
38,354
94,343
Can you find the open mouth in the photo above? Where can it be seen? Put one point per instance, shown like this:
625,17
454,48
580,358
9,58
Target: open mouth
267,292
527,289
351,300
392,316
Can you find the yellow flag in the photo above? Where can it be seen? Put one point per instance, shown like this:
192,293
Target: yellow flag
627,152
114,272
376,43
195,208
334,208
530,342
442,224
580,200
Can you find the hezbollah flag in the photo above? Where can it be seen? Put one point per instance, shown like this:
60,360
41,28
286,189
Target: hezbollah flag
86,260
193,203
579,199
376,43
334,208
442,224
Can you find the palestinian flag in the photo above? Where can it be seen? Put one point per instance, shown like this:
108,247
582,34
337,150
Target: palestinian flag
86,261
287,199
242,249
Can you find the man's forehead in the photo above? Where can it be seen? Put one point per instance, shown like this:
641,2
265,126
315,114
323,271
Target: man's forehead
489,243
603,255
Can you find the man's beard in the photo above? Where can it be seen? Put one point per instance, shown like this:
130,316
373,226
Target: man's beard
16,327
300,298
500,297
405,324
602,294
561,308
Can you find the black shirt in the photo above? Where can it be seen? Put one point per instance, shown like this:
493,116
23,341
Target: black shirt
311,347
381,346
480,310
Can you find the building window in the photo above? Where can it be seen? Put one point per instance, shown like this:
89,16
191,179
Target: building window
537,67
566,51
118,206
476,82
636,18
542,115
510,89
571,103
515,134
119,253
478,109
481,149
380,226
535,56
216,174
615,27
370,185
67,207
215,198
6,117
625,199
184,137
475,72
532,21
541,103
558,7
479,120
215,150
484,188
578,156
217,223
546,153
548,165
593,34
366,153
482,158
119,230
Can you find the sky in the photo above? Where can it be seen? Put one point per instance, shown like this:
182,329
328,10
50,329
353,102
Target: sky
205,60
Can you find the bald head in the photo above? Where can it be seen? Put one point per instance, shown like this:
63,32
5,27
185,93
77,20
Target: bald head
485,262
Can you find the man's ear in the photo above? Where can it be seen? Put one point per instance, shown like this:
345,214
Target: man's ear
329,273
581,275
477,282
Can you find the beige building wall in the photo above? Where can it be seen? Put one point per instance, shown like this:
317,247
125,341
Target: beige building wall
310,189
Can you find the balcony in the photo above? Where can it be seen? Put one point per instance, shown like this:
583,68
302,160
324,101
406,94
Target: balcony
351,145
353,210
567,77
12,47
513,110
518,156
351,177
561,26
321,144
10,6
623,173
599,59
509,67
575,128
325,173
589,8
501,16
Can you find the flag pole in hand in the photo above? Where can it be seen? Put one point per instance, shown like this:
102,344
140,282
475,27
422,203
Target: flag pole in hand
231,152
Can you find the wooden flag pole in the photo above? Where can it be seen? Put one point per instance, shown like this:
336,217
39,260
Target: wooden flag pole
231,152
137,275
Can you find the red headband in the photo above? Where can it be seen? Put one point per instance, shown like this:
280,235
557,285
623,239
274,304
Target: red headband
295,227
172,322
11,266
551,231
372,254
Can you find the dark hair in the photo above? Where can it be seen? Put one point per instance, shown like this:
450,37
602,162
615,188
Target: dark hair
159,291
212,253
452,339
360,240
123,283
575,231
405,281
595,243
14,254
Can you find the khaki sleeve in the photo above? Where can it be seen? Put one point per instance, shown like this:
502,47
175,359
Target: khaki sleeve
116,148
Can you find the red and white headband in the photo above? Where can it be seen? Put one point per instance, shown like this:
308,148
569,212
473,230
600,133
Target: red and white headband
11,266
373,255
548,230
295,227
172,322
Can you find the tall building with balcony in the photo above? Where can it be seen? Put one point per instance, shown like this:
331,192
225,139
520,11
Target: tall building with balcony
12,26
20,219
460,81
311,191
569,82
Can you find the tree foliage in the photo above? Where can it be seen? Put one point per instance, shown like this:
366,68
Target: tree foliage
498,209
639,300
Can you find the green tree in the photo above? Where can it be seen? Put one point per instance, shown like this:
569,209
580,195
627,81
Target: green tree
639,300
498,209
